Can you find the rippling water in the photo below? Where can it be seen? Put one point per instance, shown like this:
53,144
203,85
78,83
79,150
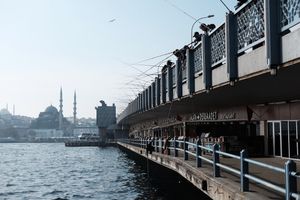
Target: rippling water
52,171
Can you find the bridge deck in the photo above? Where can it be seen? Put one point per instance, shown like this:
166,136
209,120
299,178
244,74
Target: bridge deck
227,181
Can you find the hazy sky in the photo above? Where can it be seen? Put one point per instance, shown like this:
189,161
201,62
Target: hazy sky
48,44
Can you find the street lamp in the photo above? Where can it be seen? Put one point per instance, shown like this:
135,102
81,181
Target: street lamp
209,16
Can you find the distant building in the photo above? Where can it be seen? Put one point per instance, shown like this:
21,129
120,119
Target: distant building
48,124
49,119
106,116
7,120
52,123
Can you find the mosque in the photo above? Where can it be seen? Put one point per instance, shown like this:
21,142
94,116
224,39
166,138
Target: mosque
52,123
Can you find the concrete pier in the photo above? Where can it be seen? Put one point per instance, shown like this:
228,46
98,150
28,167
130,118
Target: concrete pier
225,187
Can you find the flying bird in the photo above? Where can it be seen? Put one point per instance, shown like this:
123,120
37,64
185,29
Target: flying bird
112,20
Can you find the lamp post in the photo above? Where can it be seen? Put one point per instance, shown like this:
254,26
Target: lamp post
209,16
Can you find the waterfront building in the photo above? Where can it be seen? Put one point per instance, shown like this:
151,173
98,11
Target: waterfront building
106,122
236,85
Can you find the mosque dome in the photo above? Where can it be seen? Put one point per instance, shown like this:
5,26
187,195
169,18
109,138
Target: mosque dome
51,109
4,112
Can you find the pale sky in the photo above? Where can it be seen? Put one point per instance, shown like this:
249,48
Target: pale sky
48,44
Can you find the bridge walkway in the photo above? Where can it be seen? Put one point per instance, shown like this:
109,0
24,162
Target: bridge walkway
256,191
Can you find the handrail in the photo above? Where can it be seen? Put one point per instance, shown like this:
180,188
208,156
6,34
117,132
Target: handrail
266,183
278,169
228,155
229,168
205,148
289,171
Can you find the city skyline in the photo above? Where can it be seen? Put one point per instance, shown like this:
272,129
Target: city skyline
89,46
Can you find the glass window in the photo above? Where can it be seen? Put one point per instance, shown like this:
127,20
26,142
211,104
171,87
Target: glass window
285,139
293,139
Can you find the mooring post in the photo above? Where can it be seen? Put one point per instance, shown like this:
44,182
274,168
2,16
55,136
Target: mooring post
198,153
216,160
185,146
244,171
175,148
290,181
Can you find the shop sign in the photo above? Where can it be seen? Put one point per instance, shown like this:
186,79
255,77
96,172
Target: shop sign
229,116
205,116
168,120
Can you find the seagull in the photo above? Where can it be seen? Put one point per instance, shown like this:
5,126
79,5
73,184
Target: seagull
112,20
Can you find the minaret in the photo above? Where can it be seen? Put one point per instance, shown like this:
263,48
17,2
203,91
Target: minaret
74,109
60,110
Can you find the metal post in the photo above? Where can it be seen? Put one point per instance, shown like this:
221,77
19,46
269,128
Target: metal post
168,146
198,153
175,147
161,146
216,160
244,171
290,181
185,149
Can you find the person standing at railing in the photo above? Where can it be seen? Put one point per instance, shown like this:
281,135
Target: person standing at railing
166,145
149,147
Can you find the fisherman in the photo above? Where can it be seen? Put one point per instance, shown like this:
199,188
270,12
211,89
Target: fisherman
149,147
167,145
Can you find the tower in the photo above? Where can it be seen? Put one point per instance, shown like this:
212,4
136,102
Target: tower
60,110
74,109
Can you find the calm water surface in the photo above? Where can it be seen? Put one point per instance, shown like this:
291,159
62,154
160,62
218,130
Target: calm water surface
52,171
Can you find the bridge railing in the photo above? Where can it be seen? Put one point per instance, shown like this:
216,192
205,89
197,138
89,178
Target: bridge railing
212,156
256,23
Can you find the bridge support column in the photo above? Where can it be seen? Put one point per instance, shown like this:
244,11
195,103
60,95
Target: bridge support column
207,79
231,47
272,33
190,70
178,71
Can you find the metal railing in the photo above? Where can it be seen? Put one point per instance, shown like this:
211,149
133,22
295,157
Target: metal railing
196,150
